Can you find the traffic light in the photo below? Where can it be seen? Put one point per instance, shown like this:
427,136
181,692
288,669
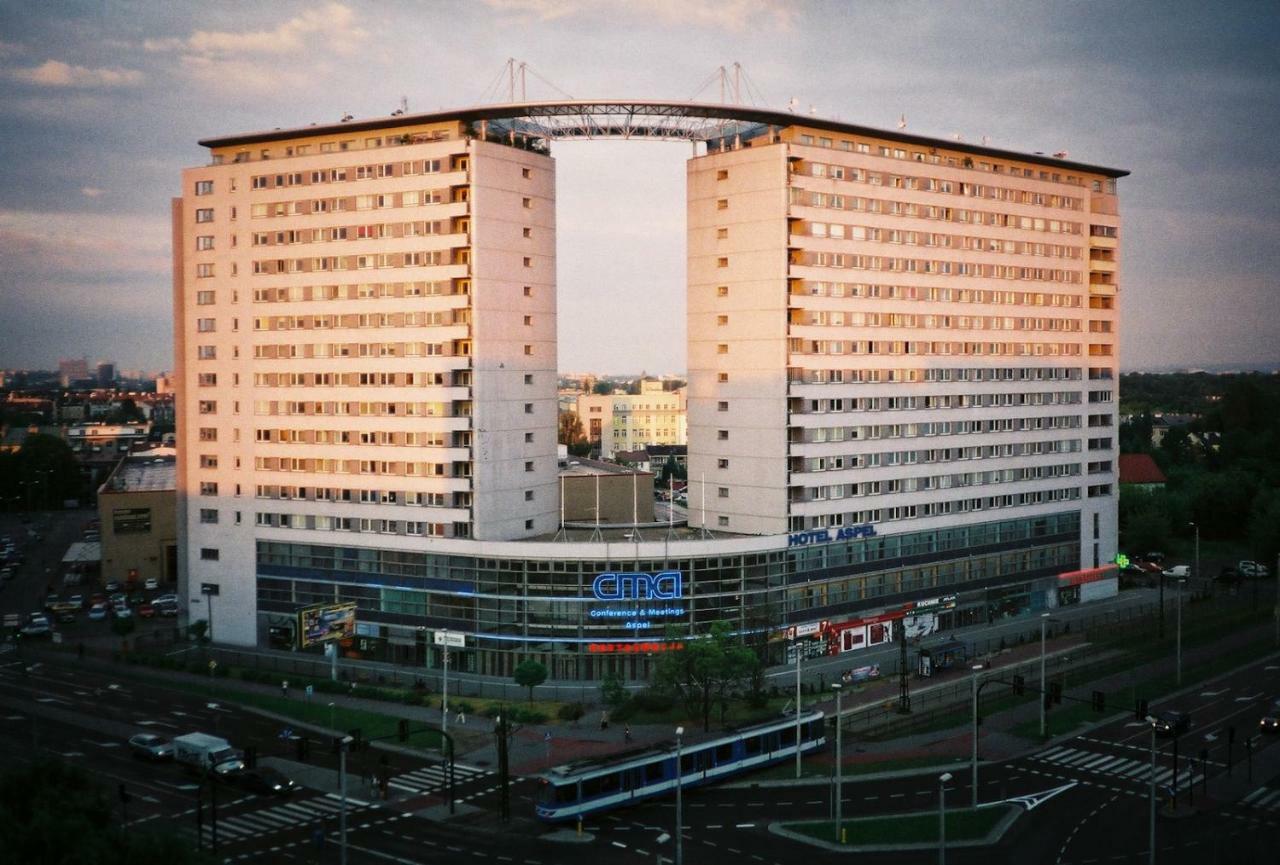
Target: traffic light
1140,710
403,729
1018,685
1099,701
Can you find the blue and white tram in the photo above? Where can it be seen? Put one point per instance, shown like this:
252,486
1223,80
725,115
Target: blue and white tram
589,786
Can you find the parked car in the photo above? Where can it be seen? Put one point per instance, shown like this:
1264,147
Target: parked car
1180,572
122,612
165,599
1157,558
1270,722
36,629
7,573
1172,723
151,584
98,612
149,746
66,617
167,610
266,781
1252,569
112,586
146,611
78,600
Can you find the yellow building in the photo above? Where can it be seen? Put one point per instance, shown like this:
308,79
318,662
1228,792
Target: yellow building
137,508
628,422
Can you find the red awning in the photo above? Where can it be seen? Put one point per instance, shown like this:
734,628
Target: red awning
1091,575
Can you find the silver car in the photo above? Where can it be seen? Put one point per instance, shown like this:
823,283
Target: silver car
149,746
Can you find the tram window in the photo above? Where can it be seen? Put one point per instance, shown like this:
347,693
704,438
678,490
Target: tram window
724,753
788,736
601,785
688,763
566,793
752,745
654,772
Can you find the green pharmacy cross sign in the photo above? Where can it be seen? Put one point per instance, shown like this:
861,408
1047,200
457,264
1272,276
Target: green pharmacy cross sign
1122,560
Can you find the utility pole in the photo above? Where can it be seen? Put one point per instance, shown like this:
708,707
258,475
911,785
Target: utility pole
343,745
835,686
504,792
680,798
1151,822
904,686
974,770
1044,620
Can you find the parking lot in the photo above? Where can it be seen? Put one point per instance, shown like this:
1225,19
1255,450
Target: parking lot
36,584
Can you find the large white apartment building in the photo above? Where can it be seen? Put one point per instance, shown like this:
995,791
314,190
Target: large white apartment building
902,386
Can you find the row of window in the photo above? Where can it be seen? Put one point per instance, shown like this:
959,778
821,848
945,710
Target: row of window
273,351
852,261
411,498
797,375
344,173
351,379
420,318
935,401
871,234
798,346
928,483
333,263
369,231
934,158
383,438
458,408
800,197
840,318
940,508
937,455
934,294
851,174
361,291
326,466
350,203
322,523
818,434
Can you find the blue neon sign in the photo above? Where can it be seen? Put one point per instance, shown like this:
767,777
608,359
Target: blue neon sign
665,586
826,536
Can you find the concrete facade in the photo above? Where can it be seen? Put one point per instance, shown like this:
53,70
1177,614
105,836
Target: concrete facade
138,521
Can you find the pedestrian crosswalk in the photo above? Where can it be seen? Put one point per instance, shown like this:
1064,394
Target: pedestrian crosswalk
1265,798
1120,767
435,779
277,818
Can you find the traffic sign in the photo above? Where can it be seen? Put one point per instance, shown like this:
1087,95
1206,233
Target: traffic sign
452,639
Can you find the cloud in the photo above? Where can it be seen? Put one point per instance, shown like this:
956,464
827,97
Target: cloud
91,191
257,60
731,15
9,48
80,244
55,73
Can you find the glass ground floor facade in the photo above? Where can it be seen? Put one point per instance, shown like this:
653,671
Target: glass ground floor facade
586,615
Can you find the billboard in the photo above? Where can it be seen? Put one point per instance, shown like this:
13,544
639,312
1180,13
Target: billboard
325,622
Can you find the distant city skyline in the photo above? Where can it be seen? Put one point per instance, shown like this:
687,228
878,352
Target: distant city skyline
102,104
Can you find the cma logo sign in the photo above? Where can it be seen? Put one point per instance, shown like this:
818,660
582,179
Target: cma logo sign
666,586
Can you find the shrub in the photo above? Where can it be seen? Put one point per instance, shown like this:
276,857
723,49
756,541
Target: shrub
525,715
571,712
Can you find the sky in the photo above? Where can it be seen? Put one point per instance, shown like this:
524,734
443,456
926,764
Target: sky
101,105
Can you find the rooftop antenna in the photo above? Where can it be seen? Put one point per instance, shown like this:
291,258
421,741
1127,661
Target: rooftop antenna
346,117
813,111
986,139
792,103
902,121
1061,154
957,136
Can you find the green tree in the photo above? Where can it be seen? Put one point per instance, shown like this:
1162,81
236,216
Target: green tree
198,630
706,671
612,691
44,471
603,388
570,430
530,674
1264,527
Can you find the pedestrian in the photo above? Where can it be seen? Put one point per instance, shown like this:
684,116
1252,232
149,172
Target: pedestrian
284,688
604,720
462,716
626,732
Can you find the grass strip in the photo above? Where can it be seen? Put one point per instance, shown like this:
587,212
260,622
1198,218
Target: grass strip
962,825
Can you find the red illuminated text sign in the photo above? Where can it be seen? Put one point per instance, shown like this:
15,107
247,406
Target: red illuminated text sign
631,648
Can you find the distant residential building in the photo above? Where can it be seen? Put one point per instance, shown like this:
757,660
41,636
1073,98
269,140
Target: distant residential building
627,422
72,369
164,383
106,374
1139,471
105,443
137,507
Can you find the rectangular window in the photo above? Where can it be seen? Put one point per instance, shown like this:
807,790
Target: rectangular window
208,516
526,203
528,438
204,241
208,461
205,298
722,174
722,492
722,320
207,352
528,232
208,406
722,291
528,378
207,379
722,435
208,434
722,348
528,495
204,214
722,204
528,291
528,466
526,172
208,488
722,405
722,463
722,521
204,187
209,554
205,325
204,271
528,408
723,261
528,350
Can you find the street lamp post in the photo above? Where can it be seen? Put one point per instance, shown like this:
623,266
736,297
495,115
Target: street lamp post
798,646
942,817
1196,526
342,787
974,761
1044,620
679,799
835,686
1180,584
1151,821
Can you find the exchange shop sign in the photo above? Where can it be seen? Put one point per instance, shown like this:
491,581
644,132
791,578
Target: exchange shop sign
617,586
